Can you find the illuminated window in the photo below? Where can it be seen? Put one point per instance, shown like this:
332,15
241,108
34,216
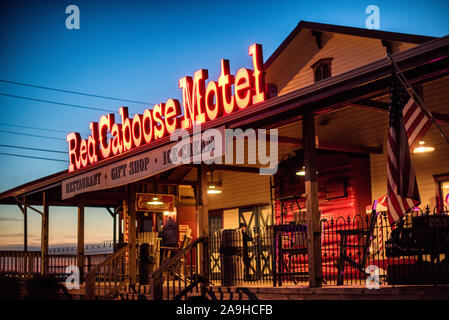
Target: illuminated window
322,69
445,192
442,190
215,220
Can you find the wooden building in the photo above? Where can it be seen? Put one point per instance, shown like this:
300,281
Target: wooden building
327,92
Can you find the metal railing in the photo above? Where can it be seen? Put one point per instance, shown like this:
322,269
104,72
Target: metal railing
354,249
234,262
179,276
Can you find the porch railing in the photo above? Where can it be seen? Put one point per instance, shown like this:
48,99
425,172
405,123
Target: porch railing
179,276
107,278
416,252
21,264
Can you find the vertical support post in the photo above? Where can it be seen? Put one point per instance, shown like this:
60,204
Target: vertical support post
132,234
313,213
25,229
80,247
114,226
25,238
203,223
44,236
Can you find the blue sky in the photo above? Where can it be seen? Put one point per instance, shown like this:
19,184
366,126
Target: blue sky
138,50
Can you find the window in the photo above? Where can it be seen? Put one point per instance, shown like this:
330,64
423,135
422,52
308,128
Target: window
322,69
442,191
445,192
215,220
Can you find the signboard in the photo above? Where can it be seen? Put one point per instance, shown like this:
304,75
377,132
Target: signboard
201,103
144,165
155,202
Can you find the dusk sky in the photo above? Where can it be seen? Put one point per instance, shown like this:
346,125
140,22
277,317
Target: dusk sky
136,50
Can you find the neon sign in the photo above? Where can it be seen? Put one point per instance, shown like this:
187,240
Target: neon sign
200,103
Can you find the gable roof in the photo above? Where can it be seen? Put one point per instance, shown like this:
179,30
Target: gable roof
361,32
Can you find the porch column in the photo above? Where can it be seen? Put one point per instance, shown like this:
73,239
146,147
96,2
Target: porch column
114,226
44,236
313,213
25,229
203,220
132,233
80,247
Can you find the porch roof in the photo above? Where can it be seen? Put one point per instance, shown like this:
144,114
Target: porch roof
423,63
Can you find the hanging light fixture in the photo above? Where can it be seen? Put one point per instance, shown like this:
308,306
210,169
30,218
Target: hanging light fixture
422,148
155,201
301,172
214,187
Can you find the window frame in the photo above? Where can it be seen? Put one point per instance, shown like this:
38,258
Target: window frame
439,179
320,63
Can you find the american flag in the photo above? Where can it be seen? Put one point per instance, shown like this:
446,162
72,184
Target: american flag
407,125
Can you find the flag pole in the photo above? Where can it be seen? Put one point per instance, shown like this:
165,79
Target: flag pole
406,84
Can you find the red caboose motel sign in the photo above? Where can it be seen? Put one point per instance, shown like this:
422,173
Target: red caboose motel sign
200,103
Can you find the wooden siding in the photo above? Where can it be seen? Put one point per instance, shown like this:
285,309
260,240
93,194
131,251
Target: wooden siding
240,189
230,219
292,69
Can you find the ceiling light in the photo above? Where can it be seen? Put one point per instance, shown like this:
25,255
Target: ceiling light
422,148
214,187
155,202
301,172
213,190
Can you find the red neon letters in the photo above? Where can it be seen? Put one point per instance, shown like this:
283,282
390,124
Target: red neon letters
200,103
